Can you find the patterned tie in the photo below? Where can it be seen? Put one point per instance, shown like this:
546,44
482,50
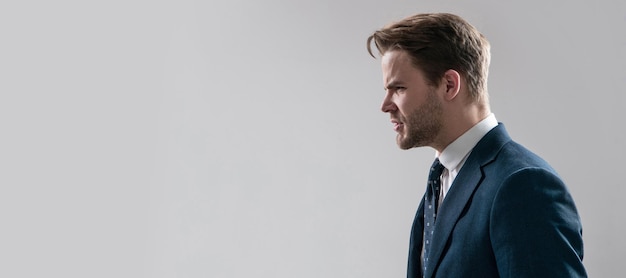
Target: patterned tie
430,207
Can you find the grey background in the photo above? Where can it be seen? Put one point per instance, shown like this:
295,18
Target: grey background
244,138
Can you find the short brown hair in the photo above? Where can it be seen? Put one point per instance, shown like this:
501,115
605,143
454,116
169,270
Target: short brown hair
436,43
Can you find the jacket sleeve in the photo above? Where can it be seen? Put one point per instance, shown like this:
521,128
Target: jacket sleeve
535,228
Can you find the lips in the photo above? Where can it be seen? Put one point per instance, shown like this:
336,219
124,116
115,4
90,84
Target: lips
397,125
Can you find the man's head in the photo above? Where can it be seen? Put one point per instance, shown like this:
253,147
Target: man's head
435,72
439,42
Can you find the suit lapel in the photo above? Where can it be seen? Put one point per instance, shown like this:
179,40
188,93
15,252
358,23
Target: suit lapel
462,189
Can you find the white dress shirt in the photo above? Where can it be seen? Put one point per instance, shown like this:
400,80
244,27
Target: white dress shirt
454,155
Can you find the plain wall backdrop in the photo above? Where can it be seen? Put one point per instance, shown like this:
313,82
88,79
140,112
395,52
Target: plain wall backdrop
244,138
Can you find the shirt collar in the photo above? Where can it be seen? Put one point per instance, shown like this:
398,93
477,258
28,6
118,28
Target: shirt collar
456,152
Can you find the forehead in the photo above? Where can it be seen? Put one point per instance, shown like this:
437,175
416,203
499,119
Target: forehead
395,58
398,66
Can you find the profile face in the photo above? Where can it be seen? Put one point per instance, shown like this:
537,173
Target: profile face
413,105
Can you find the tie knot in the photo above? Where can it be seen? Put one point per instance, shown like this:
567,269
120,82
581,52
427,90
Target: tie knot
436,169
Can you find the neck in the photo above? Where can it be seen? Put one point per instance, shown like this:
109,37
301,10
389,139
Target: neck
456,124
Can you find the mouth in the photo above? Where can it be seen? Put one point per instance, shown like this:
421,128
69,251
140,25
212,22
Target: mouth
397,125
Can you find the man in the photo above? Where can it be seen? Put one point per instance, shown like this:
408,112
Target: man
497,209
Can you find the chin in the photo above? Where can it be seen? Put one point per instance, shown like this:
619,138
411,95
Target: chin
404,144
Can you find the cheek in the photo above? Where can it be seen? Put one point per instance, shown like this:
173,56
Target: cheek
401,102
405,106
411,102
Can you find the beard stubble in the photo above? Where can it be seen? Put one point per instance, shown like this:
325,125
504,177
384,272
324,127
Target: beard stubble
422,125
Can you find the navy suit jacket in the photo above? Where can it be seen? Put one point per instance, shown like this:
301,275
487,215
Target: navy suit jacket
507,214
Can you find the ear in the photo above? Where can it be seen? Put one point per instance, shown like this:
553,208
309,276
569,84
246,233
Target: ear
452,82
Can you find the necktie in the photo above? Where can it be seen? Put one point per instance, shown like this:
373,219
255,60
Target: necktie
430,207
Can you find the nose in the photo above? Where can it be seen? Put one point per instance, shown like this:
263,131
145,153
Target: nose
388,106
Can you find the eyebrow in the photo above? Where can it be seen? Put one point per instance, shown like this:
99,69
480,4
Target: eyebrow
392,84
